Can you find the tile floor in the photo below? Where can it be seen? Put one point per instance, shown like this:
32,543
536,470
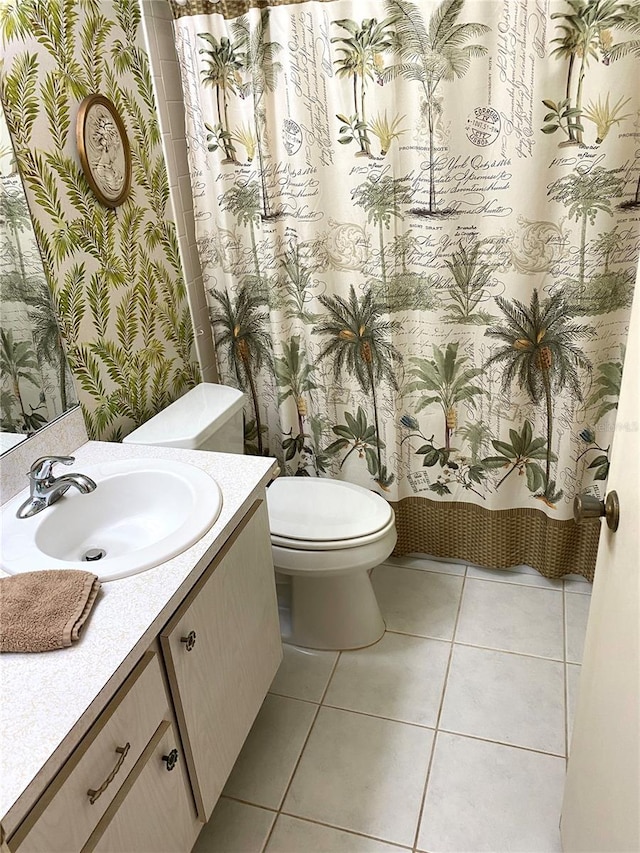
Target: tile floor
448,736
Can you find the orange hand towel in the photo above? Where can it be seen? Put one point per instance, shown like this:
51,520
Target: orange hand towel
41,611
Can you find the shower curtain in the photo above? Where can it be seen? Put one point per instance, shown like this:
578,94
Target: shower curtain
418,227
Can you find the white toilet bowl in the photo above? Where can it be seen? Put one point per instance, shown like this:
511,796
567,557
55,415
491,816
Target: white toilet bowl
326,535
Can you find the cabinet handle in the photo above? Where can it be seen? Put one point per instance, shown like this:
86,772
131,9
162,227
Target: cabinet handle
189,640
171,760
122,752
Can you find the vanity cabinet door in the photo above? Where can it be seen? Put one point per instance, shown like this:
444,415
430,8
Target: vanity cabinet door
222,649
154,812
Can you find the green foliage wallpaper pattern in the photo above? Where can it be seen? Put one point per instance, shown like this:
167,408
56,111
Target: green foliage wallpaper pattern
115,275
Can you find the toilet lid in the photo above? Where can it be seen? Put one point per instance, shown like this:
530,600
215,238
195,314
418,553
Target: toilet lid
315,509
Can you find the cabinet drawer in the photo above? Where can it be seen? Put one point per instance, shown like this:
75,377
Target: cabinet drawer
154,810
65,816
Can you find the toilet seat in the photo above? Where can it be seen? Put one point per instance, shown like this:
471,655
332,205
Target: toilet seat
320,514
314,563
333,544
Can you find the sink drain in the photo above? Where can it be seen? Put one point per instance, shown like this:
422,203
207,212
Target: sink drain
93,554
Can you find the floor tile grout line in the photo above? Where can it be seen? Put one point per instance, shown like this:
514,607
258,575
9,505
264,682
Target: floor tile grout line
515,583
247,803
535,574
293,773
295,698
503,651
447,731
417,636
456,624
379,717
476,646
405,722
439,715
566,679
424,792
331,674
566,712
429,570
508,652
513,570
276,815
270,833
306,740
349,831
501,743
478,578
431,728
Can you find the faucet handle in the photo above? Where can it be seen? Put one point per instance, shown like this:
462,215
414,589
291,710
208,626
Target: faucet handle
42,468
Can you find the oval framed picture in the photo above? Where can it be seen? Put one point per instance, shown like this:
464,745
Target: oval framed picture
104,150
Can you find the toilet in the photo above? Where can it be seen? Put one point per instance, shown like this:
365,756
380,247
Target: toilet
325,534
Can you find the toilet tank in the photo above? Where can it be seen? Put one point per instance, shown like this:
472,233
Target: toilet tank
208,417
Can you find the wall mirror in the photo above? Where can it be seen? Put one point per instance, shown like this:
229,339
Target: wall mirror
35,382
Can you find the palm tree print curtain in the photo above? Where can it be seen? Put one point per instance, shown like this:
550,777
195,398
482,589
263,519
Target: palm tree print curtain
418,227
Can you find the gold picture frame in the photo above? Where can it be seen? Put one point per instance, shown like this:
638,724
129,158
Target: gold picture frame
103,146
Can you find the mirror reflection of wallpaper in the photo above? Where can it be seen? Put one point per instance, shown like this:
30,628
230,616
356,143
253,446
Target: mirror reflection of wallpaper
116,274
35,384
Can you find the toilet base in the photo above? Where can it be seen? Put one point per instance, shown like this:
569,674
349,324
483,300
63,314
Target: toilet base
334,612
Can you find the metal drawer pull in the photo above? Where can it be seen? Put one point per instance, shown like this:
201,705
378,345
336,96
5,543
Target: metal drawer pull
189,640
122,752
171,760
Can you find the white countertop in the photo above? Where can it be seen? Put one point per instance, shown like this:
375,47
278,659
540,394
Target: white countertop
45,695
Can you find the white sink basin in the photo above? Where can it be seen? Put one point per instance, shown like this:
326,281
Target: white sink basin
142,513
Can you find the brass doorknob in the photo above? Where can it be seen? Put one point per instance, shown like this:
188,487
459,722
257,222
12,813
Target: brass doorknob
589,506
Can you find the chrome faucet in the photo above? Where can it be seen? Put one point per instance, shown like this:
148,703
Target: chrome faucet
45,489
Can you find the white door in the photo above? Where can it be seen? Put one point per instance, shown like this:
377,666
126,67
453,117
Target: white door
601,809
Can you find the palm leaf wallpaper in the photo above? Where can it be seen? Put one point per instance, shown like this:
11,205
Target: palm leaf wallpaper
419,230
115,275
35,383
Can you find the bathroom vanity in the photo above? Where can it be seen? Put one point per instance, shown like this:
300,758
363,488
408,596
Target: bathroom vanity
124,741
